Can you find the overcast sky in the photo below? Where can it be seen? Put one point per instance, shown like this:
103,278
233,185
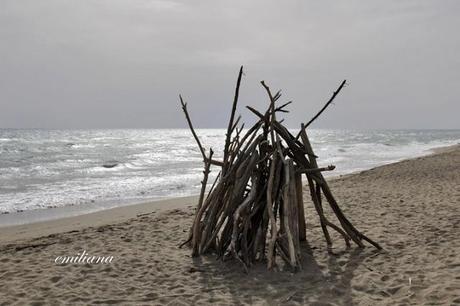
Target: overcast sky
120,64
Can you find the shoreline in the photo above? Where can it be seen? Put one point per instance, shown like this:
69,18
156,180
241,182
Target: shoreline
97,213
430,152
113,215
37,223
67,211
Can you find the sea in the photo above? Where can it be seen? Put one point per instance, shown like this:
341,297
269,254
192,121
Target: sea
41,169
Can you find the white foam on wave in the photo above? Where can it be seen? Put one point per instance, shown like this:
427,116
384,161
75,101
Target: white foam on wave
41,169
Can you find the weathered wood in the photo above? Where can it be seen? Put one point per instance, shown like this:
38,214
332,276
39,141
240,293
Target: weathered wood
322,109
351,231
287,214
314,170
242,208
294,211
319,211
200,210
300,207
254,210
230,122
274,232
215,162
189,121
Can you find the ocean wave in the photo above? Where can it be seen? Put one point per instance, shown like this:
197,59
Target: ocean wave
41,169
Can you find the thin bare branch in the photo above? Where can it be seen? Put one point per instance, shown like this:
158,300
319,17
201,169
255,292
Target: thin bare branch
324,107
230,123
189,121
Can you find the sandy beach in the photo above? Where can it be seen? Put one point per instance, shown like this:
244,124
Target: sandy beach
411,208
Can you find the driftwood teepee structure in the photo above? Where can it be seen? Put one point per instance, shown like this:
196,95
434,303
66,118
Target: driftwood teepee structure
254,210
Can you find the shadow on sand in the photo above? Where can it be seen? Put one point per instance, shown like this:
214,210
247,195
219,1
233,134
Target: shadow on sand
323,282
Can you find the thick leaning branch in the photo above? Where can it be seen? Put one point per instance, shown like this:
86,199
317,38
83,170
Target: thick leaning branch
274,231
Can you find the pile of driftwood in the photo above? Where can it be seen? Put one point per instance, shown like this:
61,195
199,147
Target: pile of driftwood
254,210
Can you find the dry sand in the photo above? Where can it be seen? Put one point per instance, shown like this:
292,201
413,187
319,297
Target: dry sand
412,208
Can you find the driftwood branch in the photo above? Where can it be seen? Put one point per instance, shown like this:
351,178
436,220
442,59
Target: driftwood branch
324,107
230,122
215,162
314,170
189,121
